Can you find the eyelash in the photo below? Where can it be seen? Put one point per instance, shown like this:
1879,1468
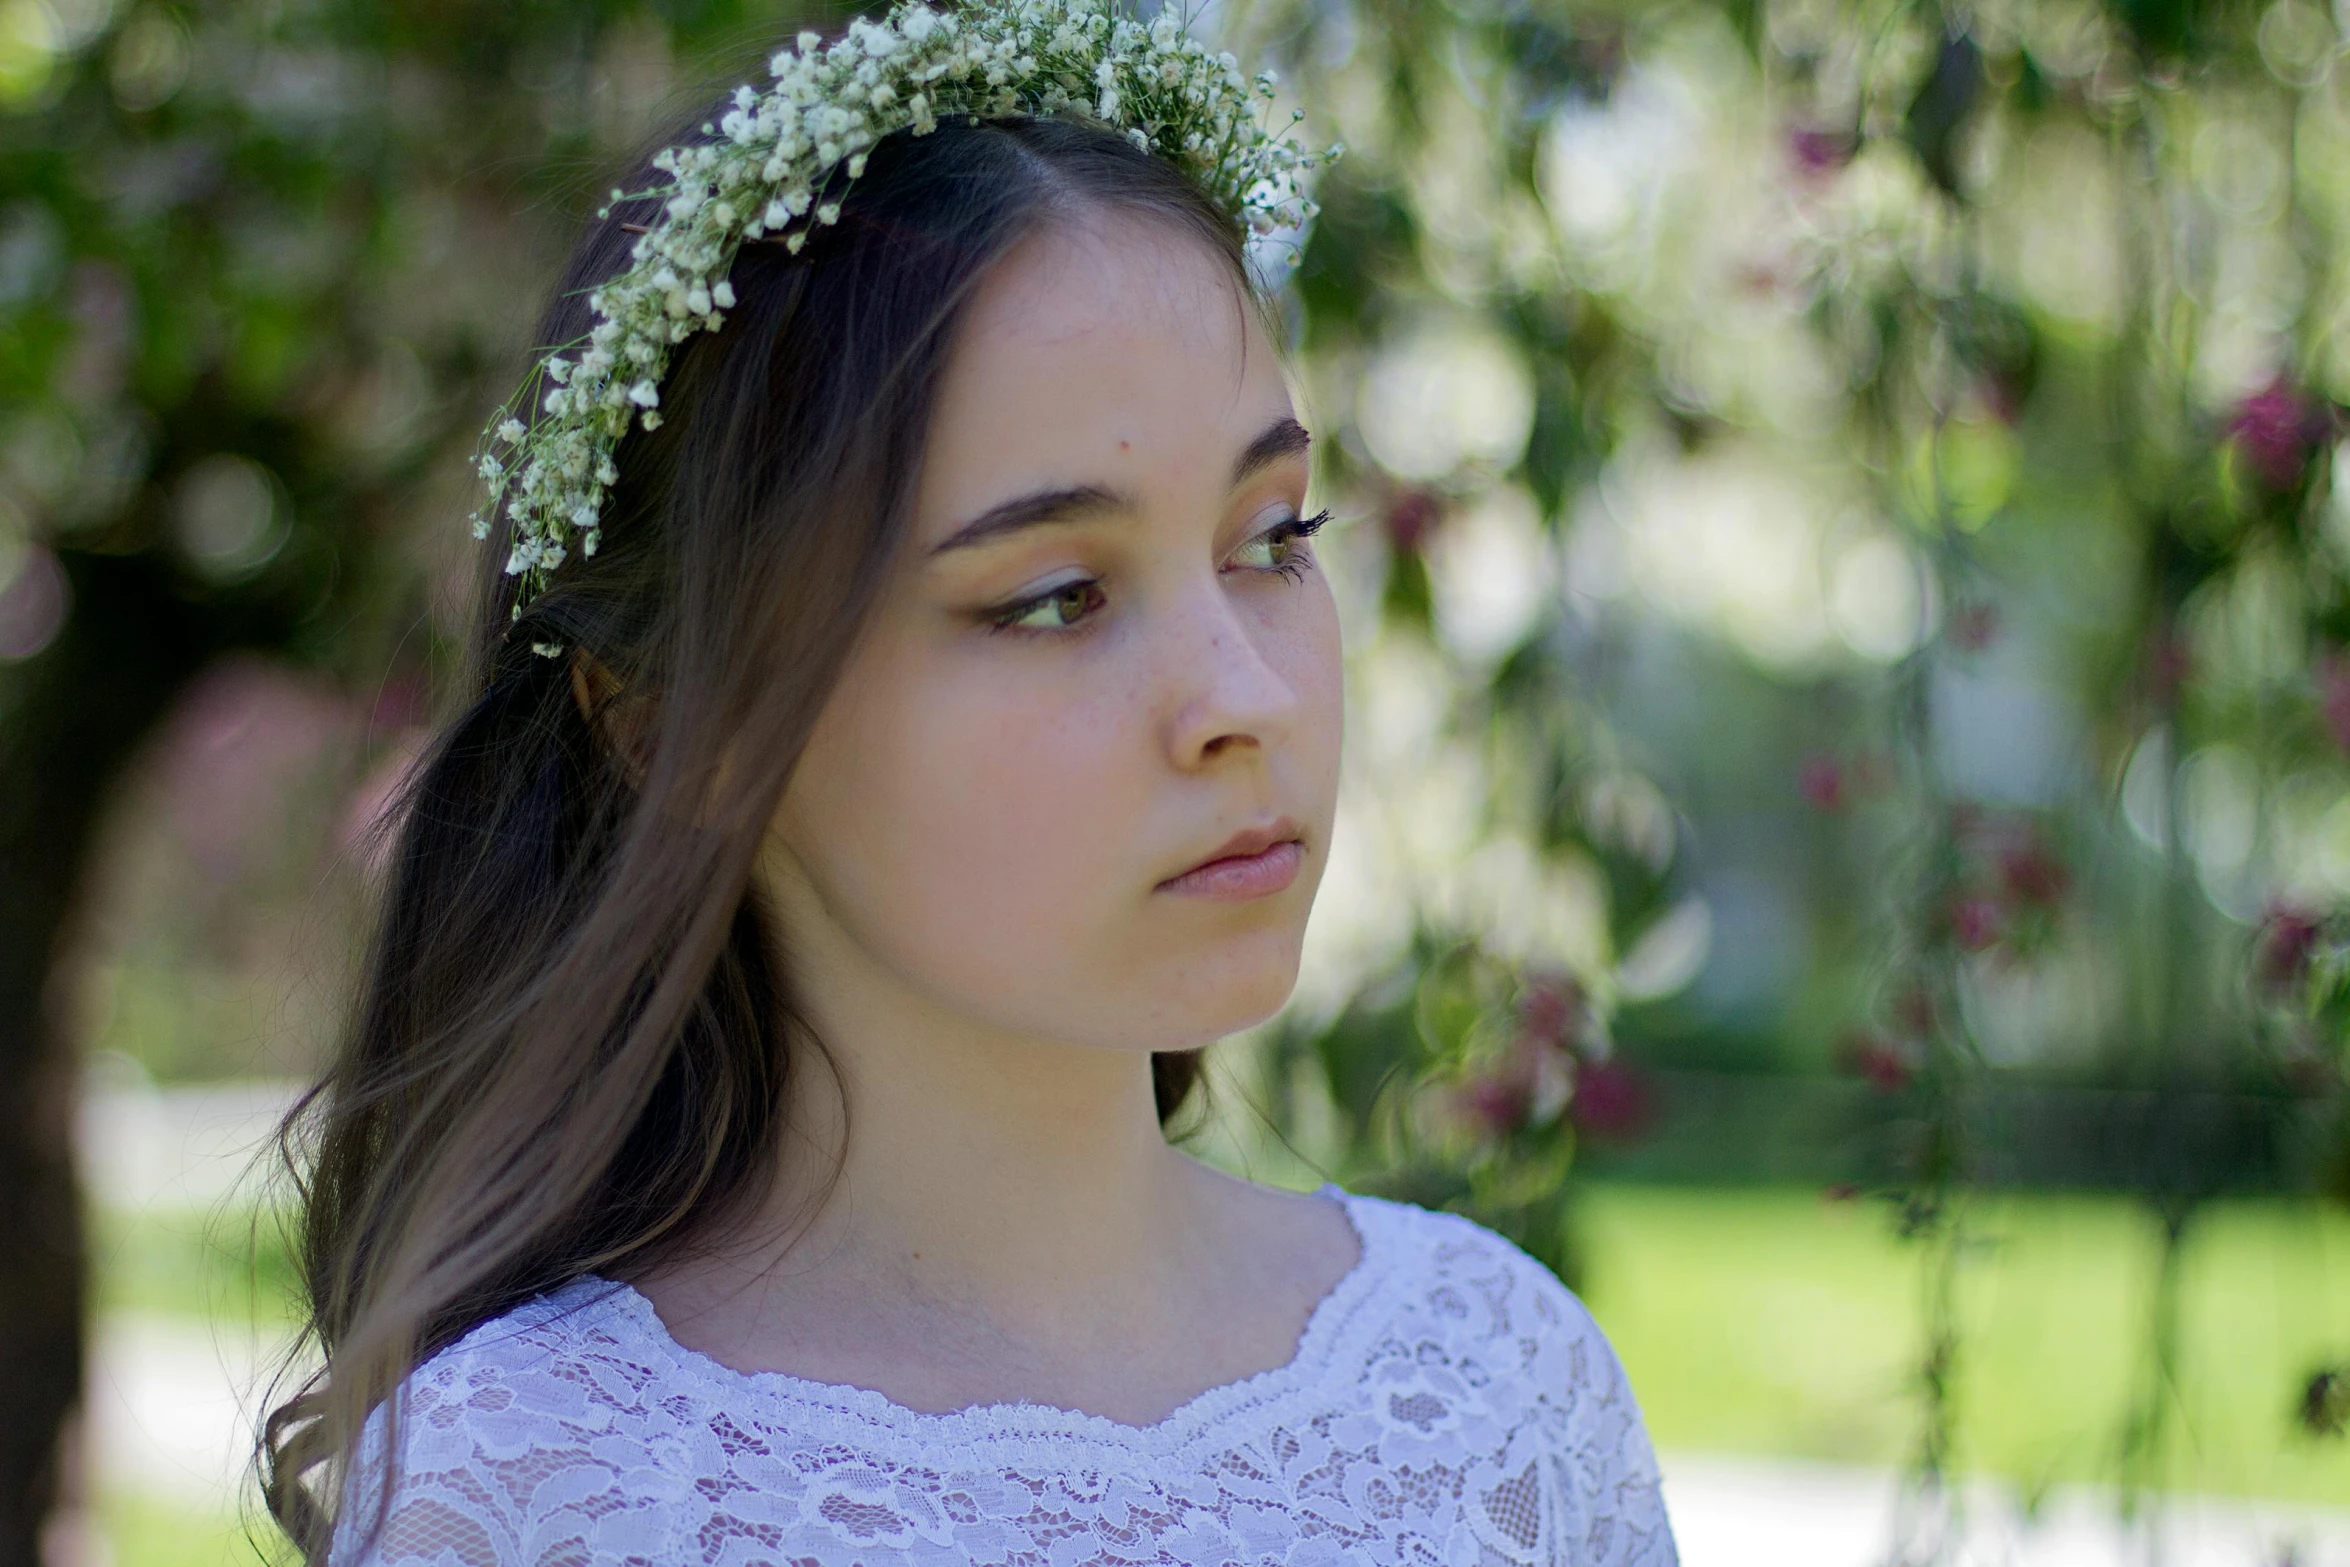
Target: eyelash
1293,566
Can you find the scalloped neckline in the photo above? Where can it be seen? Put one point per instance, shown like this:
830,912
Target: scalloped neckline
876,1412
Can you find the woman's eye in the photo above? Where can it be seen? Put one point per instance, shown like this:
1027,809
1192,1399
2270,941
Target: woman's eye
1280,547
1056,610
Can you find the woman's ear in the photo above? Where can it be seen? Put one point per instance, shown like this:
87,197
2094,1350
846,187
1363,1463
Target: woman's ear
617,717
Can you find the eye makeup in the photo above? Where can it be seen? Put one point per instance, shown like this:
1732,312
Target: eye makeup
1072,603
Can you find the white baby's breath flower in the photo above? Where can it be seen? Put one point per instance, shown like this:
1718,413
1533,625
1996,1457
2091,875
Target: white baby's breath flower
911,70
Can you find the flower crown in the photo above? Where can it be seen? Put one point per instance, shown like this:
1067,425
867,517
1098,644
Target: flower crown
827,108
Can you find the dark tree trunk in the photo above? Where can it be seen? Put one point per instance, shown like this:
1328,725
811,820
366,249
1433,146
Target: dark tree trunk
69,719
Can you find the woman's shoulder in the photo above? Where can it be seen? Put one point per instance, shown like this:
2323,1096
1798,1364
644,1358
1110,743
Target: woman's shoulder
551,1369
1466,1273
1454,1286
1478,1338
530,1415
554,1351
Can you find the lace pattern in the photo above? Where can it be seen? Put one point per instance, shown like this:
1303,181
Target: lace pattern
1449,1402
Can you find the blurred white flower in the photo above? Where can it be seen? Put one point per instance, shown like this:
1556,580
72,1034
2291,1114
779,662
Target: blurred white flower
1668,954
1443,396
1730,540
1882,598
1491,569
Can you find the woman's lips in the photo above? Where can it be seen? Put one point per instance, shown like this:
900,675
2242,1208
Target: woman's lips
1237,877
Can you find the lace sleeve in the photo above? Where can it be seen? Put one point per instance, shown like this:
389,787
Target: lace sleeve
504,1459
1612,1482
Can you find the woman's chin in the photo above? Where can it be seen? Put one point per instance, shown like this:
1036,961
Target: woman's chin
1254,987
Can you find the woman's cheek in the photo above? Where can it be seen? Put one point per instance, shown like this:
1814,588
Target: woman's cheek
1315,661
1022,804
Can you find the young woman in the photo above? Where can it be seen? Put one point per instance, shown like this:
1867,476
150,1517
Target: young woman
749,1145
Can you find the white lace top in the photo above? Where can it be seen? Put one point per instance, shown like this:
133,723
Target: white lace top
1449,1401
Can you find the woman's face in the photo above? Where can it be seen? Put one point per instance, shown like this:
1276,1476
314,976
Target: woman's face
1107,652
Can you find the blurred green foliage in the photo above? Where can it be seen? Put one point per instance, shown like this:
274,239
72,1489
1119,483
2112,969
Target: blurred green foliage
1847,576
1974,375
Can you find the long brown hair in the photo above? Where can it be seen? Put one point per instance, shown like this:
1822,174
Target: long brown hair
574,1036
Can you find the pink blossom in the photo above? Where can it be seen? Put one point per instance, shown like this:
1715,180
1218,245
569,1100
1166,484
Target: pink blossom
1823,784
1974,627
2287,942
1884,1064
1817,151
1612,1100
1409,519
1497,1103
2003,395
1975,923
1913,1009
1549,1009
2032,875
2275,429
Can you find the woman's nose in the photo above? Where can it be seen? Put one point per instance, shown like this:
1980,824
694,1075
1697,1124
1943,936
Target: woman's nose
1228,692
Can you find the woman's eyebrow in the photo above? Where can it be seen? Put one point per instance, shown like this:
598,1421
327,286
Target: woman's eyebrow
1031,511
1284,437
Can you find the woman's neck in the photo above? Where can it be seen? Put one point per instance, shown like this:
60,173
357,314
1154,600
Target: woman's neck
1027,1178
964,1215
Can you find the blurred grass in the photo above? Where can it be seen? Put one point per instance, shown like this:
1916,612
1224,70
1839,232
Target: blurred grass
230,1264
1769,1322
144,1531
1776,1322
